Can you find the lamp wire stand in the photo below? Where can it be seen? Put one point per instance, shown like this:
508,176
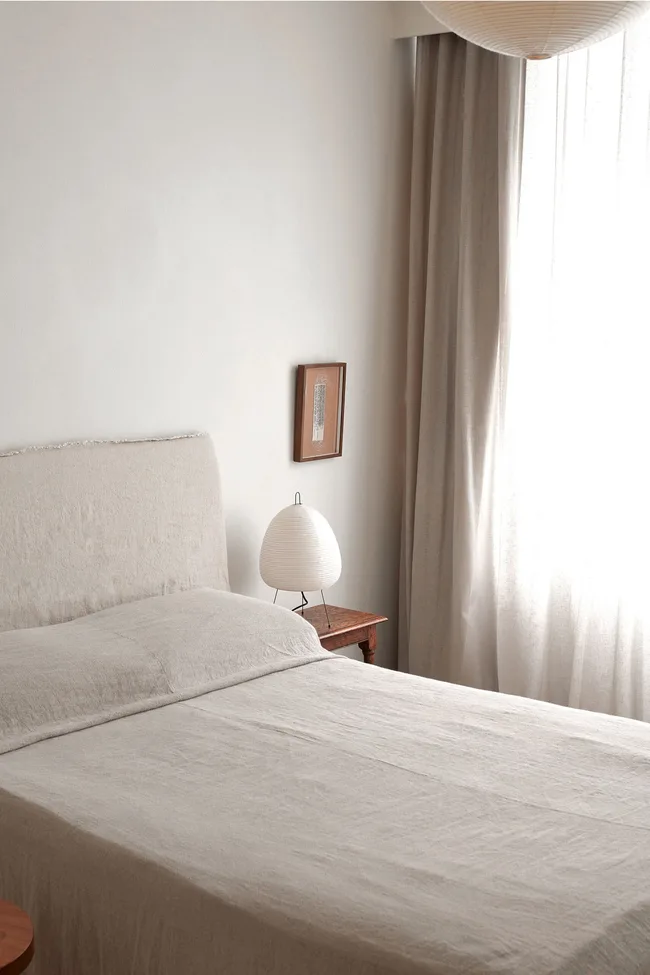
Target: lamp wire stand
329,625
276,596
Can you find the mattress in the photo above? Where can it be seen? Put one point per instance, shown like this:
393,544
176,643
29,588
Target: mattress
190,784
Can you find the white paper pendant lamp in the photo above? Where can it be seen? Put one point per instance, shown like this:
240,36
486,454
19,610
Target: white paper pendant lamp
300,552
534,29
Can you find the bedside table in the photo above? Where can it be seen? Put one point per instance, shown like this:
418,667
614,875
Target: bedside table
16,939
349,626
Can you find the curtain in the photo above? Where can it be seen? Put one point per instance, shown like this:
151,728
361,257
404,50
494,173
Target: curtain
573,547
465,171
526,529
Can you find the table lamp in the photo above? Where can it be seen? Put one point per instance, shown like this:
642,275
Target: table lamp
300,553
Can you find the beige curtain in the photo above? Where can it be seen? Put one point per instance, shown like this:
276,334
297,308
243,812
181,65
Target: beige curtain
465,175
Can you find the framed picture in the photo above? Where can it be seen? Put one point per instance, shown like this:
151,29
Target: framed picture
320,404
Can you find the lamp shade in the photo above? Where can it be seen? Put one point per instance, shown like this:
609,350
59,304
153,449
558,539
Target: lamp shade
534,29
300,552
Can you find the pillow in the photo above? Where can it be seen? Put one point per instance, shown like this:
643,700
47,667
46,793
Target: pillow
138,656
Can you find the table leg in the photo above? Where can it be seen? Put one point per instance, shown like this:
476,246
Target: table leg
369,646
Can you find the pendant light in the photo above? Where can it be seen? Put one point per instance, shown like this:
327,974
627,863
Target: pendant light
534,29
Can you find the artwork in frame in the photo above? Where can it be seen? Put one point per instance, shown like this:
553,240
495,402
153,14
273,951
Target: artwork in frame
320,405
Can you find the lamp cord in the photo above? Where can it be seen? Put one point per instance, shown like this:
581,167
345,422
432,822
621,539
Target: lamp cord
304,602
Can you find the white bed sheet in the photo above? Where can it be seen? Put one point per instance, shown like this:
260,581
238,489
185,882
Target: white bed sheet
325,816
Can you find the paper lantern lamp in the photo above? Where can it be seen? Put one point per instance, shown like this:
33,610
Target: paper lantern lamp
300,552
533,29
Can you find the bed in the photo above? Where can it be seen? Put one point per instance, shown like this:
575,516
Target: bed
189,784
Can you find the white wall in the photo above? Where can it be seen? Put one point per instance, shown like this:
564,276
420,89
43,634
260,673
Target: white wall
412,19
194,197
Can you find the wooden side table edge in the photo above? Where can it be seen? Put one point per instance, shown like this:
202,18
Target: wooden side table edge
19,965
17,941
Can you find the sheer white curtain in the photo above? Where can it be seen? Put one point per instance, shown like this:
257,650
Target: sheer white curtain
573,550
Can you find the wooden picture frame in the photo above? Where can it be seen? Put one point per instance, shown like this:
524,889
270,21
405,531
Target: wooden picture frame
320,409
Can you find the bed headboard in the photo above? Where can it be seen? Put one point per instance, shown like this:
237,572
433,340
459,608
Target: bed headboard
87,526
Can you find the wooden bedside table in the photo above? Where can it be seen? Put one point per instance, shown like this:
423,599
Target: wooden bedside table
16,939
348,626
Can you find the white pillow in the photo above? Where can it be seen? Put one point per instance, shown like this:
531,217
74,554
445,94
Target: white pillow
138,656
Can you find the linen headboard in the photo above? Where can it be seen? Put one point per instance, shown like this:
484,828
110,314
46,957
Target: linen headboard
86,526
